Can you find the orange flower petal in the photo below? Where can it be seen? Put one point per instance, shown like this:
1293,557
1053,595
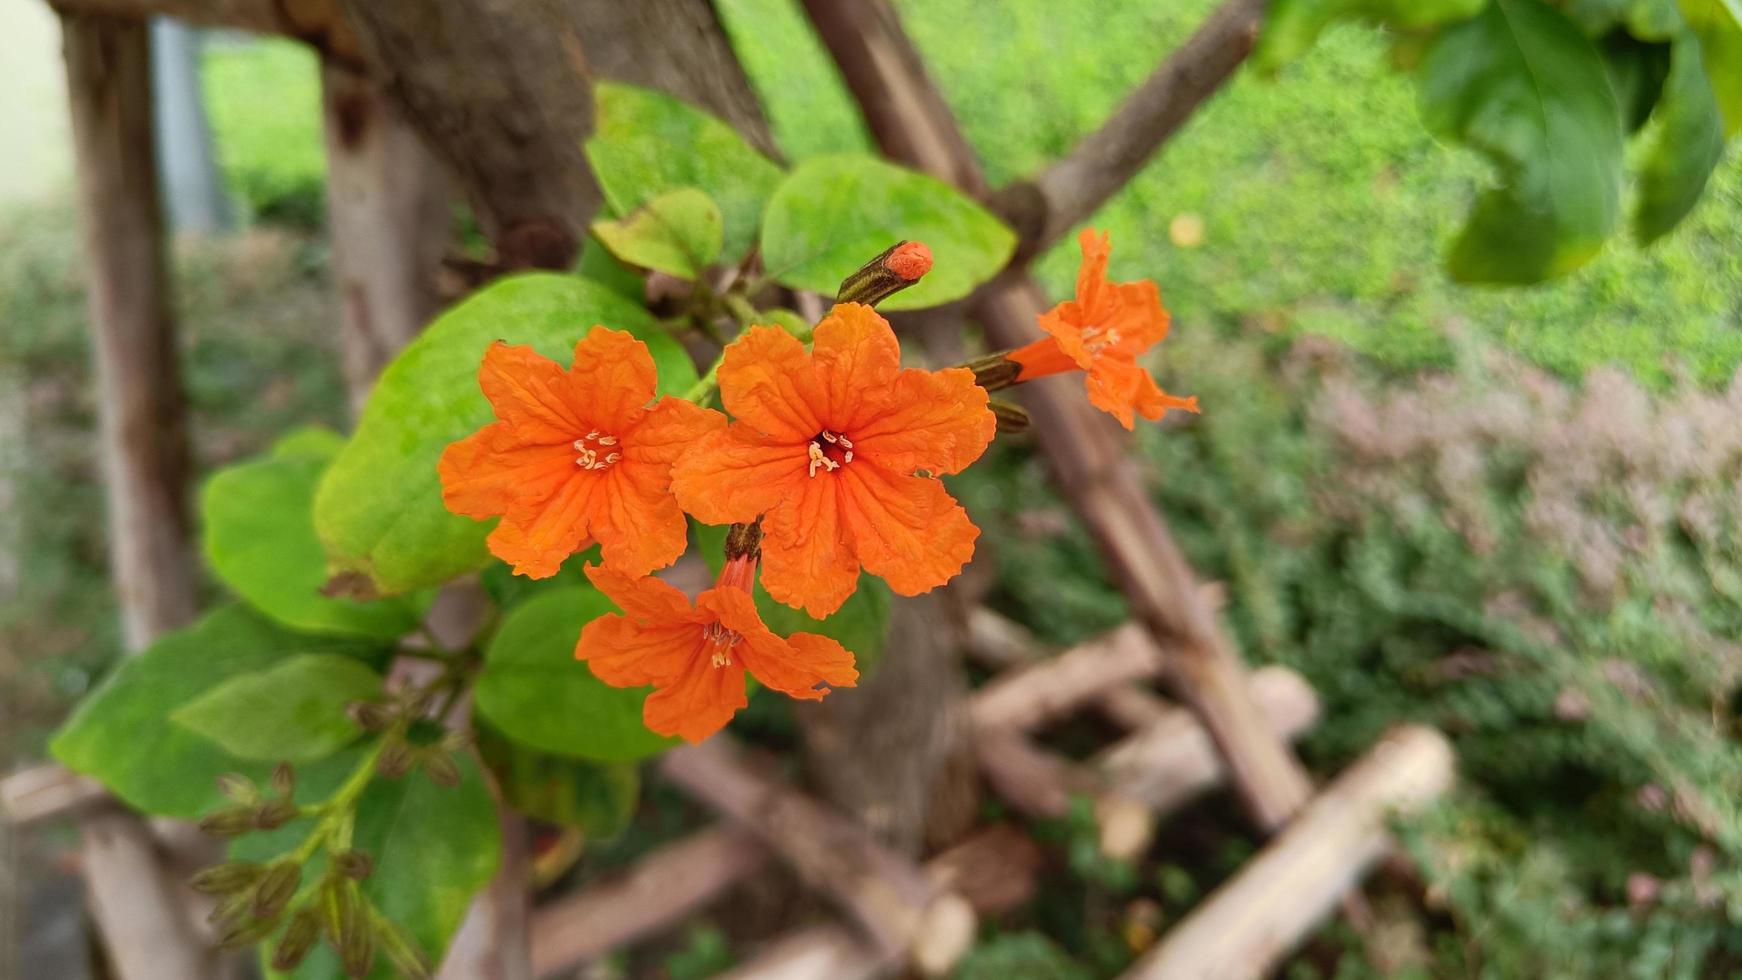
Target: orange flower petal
640,528
931,420
536,538
735,475
624,653
613,378
855,353
767,382
1138,316
1122,389
669,429
807,560
794,667
644,599
906,529
1092,273
700,703
531,393
486,473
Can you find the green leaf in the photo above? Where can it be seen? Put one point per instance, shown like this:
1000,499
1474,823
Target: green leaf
433,847
260,540
1637,70
534,690
378,509
1292,26
677,232
646,143
835,213
121,734
1718,25
292,711
1521,84
1647,20
1687,143
598,264
598,797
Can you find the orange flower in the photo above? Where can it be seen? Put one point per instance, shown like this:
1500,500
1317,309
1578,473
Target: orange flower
576,456
841,449
696,656
1102,332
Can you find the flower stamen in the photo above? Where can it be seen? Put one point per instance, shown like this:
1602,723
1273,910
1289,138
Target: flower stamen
820,457
723,641
592,451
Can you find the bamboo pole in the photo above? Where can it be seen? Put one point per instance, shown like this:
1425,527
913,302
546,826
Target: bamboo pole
1245,928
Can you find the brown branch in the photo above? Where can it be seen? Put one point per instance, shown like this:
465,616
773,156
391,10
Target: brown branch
318,22
1246,926
1101,483
1104,161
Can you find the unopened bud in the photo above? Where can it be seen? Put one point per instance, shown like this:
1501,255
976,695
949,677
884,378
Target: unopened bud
455,740
994,371
441,769
238,788
396,759
229,822
744,541
401,950
283,779
299,937
354,864
356,935
276,889
1011,418
274,814
898,267
244,932
227,878
371,716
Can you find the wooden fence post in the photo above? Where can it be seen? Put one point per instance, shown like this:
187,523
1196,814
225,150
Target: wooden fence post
140,908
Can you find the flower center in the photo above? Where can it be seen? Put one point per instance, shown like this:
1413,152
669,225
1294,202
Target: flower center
723,640
1097,339
597,451
829,451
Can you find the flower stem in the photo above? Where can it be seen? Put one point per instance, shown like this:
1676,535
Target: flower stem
337,811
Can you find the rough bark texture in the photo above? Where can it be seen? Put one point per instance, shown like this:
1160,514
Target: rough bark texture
1091,466
387,213
140,909
502,90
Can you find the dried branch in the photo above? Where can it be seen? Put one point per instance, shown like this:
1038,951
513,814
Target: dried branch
1101,483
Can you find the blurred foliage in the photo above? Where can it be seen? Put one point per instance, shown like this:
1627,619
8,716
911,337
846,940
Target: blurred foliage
273,157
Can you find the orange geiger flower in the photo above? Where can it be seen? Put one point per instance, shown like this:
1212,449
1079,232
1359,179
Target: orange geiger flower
1102,331
695,656
576,456
839,449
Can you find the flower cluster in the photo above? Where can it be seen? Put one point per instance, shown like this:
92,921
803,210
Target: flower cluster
828,467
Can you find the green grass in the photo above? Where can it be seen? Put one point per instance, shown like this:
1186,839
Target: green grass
264,99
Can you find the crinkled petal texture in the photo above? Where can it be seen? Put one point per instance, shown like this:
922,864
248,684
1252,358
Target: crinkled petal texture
698,678
1102,331
576,455
838,449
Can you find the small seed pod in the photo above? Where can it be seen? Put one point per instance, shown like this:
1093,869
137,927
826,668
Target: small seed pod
227,878
441,769
274,814
229,822
396,759
371,716
353,864
454,741
276,889
401,950
299,937
245,931
283,779
356,934
238,788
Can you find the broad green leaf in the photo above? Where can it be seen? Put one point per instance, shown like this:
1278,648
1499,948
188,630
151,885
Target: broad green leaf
1718,25
677,232
598,264
646,143
1647,20
535,692
1521,84
1637,70
258,519
378,509
835,213
433,847
1292,26
1687,142
597,797
121,734
293,710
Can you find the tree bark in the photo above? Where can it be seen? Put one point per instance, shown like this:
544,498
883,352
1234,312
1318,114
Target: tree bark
502,90
387,214
1102,485
140,909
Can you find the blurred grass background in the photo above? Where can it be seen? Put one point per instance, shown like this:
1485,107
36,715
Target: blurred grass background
1437,502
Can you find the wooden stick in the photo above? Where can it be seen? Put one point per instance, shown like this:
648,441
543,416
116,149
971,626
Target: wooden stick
387,215
49,790
647,898
1245,928
902,910
1101,483
1028,696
